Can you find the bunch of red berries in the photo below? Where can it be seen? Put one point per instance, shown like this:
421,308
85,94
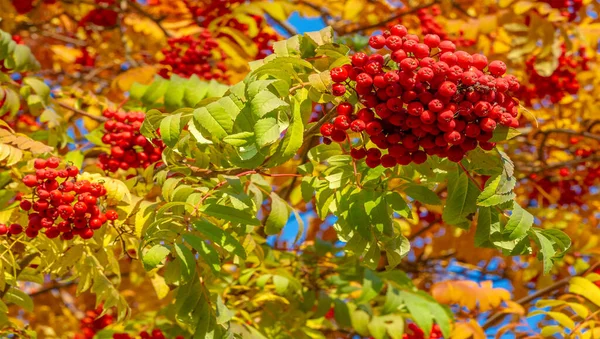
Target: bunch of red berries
417,333
429,25
206,11
91,323
427,99
263,39
570,192
101,16
156,334
198,55
129,148
61,203
23,6
563,80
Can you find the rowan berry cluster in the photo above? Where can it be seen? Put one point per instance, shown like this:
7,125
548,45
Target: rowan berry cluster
566,191
61,204
155,334
426,98
416,333
102,16
207,11
198,55
561,82
92,323
429,25
129,148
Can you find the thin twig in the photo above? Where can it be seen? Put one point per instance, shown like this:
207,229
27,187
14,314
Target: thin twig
83,113
289,29
569,163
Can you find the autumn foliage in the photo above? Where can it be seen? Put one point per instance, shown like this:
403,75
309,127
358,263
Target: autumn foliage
216,169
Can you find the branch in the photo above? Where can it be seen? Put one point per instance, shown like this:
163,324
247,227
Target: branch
22,265
83,113
584,134
569,163
289,29
390,19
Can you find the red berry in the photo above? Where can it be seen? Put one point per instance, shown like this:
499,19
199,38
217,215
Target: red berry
377,41
3,229
25,205
327,129
338,89
15,229
357,125
358,153
341,122
447,89
30,180
53,162
497,68
339,74
338,135
39,164
344,108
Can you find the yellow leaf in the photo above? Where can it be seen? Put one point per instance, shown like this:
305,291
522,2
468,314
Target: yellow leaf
352,9
562,319
513,308
124,80
467,330
522,7
585,288
23,142
469,294
65,54
549,331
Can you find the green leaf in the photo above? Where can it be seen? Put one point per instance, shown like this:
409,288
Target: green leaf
360,321
19,298
223,313
502,133
240,139
341,313
461,200
519,223
216,122
550,241
397,203
205,251
170,129
281,283
422,194
279,215
155,256
187,259
174,94
265,102
266,131
488,223
228,213
39,87
155,91
220,237
294,136
377,328
497,191
372,286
